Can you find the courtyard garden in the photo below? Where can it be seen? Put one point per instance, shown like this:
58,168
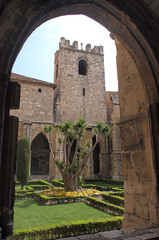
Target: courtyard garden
44,210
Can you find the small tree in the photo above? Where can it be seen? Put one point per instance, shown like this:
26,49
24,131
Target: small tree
73,161
23,159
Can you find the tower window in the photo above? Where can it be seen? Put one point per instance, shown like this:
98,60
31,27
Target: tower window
56,70
84,91
82,67
39,89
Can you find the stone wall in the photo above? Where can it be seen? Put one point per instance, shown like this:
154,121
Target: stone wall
137,158
32,129
114,140
43,102
79,96
36,102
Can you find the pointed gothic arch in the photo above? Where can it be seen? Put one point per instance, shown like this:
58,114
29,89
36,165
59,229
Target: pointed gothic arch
96,157
40,152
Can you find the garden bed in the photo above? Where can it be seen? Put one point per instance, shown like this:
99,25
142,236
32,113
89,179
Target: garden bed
44,193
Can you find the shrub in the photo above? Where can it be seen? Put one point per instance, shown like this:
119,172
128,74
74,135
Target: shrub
118,193
68,229
38,182
24,195
119,201
100,188
37,187
105,206
58,183
118,188
23,158
108,181
45,200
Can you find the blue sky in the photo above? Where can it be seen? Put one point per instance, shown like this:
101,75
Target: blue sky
36,58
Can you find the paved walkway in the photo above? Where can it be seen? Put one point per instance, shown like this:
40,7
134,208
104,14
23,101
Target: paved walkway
129,234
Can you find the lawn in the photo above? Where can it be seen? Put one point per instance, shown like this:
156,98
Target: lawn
28,214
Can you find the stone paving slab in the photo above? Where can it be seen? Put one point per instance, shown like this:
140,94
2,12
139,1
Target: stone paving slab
133,238
123,234
154,230
112,235
149,236
94,236
69,238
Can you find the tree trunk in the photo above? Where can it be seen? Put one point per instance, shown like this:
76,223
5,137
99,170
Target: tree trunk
70,184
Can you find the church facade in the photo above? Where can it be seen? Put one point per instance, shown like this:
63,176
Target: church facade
78,92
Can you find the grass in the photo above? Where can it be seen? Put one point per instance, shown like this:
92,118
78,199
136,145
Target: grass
28,214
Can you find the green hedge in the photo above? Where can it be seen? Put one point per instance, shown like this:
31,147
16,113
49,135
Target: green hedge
45,200
24,191
28,194
108,181
100,188
117,193
38,187
38,182
17,183
105,206
118,188
58,183
68,229
117,200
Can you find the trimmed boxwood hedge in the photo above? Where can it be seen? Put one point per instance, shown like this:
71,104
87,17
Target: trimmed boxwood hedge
117,200
58,183
91,183
100,188
118,193
45,200
38,187
39,182
28,194
68,229
108,181
105,206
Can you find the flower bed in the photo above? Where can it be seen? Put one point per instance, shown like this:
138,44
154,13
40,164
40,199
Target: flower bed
57,195
59,192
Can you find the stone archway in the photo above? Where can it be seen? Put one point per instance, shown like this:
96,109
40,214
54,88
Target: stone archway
135,25
40,152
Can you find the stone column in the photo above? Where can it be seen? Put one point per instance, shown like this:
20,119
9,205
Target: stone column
9,96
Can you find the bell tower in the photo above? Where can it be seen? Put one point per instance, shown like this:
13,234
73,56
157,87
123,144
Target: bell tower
79,76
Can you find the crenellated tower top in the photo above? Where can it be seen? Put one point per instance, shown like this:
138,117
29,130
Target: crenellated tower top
64,43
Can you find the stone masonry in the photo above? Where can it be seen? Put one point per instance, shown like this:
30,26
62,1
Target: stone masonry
73,95
79,95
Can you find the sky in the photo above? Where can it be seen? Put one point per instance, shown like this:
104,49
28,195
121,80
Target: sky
36,58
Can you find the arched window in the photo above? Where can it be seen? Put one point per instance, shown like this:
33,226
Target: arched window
40,152
82,67
57,70
96,160
73,149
